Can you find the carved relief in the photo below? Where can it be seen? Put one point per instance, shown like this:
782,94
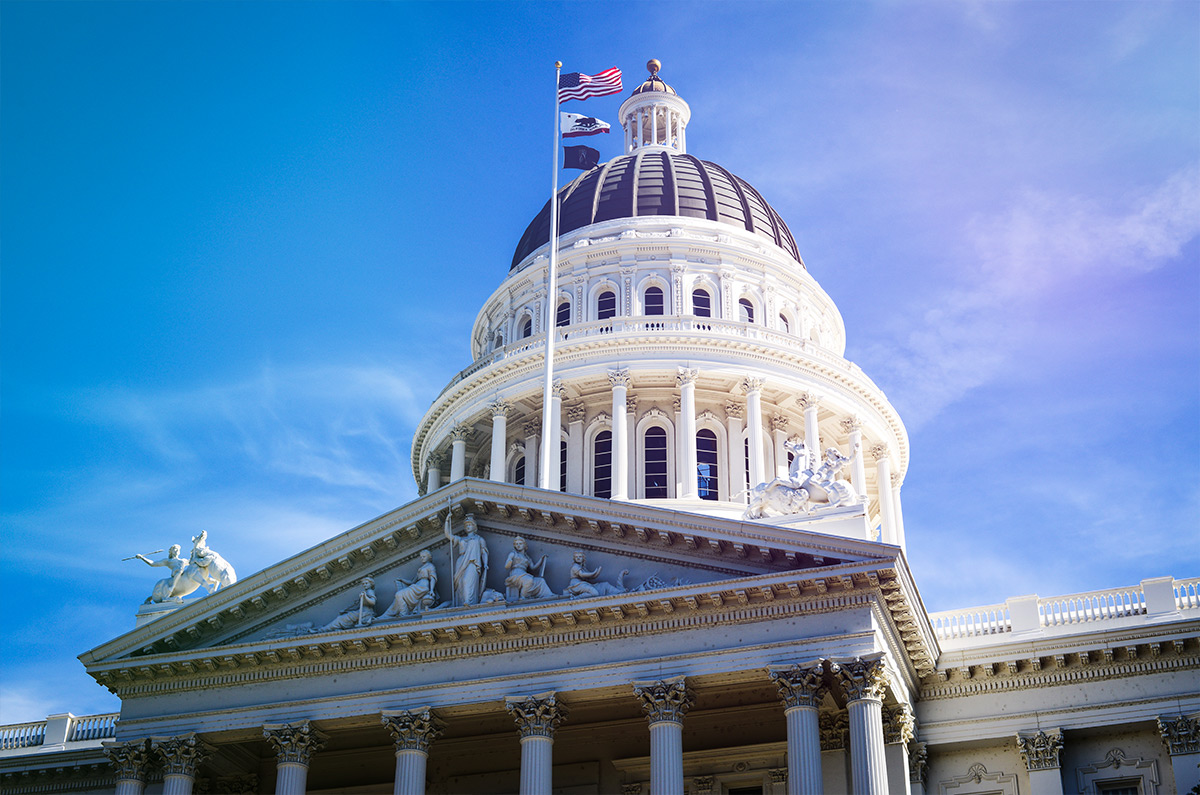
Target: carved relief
533,427
665,700
800,685
631,402
862,678
413,730
294,742
878,450
536,716
1040,749
851,424
1180,733
1005,783
702,785
359,614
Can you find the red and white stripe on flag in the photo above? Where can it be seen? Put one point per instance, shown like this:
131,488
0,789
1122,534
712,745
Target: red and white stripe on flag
577,85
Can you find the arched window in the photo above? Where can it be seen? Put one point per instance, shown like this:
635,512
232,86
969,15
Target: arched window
701,303
606,305
519,471
653,301
706,464
562,315
562,465
527,327
499,341
745,310
656,463
602,465
783,324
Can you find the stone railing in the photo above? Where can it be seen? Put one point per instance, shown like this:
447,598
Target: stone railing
700,327
59,729
1156,597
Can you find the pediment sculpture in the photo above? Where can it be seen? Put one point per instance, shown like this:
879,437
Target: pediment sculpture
804,490
203,568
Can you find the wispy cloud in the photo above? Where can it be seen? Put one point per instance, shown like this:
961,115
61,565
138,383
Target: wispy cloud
1041,245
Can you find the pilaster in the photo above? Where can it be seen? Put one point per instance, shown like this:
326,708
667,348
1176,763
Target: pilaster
1181,734
1040,750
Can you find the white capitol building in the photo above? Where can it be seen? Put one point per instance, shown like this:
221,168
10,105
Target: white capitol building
711,596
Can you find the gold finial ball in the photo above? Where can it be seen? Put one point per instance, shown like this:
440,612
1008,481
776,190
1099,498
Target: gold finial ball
558,64
653,65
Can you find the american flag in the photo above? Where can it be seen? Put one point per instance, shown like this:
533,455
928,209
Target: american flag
577,85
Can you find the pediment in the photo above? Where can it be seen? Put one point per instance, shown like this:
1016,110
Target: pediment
649,559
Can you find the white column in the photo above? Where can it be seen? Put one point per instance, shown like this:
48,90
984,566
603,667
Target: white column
631,402
499,409
575,415
665,703
779,424
864,680
180,757
433,469
1181,733
553,477
537,717
801,688
294,745
753,386
533,431
412,733
128,760
1040,750
883,477
620,434
677,406
686,378
858,473
897,514
812,436
898,725
735,467
458,451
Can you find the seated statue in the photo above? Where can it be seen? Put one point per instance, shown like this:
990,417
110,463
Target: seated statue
583,582
521,583
417,595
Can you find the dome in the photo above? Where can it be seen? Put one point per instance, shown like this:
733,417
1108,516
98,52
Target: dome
653,82
658,183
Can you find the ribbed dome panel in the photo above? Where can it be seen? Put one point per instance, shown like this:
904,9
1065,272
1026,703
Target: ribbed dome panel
658,184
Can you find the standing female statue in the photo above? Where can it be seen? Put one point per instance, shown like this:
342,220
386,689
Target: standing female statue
470,570
418,594
520,583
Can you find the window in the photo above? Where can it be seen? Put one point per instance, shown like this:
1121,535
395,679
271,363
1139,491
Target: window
562,316
606,305
746,450
701,303
783,324
526,327
1119,788
656,463
602,465
706,464
519,472
499,342
562,466
654,301
745,310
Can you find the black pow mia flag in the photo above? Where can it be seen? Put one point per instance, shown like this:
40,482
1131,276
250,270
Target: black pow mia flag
581,157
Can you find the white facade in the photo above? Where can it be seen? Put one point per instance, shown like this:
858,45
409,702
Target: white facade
631,631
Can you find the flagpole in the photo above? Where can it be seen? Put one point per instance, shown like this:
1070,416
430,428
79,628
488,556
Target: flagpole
550,434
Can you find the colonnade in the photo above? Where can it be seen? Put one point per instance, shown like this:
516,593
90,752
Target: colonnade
665,702
748,417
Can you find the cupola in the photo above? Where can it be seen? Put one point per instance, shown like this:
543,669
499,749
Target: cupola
655,117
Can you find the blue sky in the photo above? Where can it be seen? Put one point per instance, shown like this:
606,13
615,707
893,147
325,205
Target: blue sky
242,246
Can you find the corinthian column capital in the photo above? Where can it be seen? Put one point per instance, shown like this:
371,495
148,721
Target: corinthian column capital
1040,749
413,729
536,716
753,383
558,389
1181,733
800,685
863,678
899,725
878,450
499,407
665,700
619,377
181,755
128,759
808,400
460,431
686,375
294,742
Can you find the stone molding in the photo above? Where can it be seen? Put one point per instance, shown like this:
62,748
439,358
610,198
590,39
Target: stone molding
128,760
801,685
1116,761
667,700
180,755
412,729
1006,783
863,678
619,377
536,715
918,762
1180,733
1040,749
294,743
899,724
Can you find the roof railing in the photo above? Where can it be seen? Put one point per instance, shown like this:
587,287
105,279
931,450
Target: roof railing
58,729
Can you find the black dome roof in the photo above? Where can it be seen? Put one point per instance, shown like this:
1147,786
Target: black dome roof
658,183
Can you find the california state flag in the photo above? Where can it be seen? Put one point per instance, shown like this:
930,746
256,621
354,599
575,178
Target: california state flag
576,124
